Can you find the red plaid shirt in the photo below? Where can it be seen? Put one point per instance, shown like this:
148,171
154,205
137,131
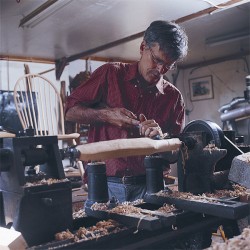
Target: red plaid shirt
116,85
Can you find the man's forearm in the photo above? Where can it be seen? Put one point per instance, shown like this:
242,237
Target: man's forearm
85,115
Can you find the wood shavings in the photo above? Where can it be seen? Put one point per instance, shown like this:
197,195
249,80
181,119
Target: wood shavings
106,206
137,228
134,203
65,235
44,182
100,229
128,209
78,210
99,206
174,194
238,191
79,214
166,208
187,196
241,242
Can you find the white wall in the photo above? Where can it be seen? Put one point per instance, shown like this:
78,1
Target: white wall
10,71
228,83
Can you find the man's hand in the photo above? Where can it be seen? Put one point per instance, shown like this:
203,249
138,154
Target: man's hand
149,128
120,117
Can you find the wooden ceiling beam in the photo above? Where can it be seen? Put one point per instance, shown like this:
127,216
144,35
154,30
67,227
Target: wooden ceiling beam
26,59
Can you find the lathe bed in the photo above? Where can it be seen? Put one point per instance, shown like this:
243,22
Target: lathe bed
185,225
149,229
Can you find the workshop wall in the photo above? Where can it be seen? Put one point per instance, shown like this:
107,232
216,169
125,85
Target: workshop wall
10,71
229,82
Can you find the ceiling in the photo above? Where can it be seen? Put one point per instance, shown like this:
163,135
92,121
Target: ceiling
112,29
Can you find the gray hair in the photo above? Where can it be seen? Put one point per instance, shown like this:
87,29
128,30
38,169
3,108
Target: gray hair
171,38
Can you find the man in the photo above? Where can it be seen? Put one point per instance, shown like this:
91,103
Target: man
133,100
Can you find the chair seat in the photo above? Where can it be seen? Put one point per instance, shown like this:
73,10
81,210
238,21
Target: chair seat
68,136
4,134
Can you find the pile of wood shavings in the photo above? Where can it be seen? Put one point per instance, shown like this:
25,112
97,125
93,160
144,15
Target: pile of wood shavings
78,210
79,214
166,208
105,206
65,235
127,209
99,206
186,196
134,203
100,229
175,194
241,242
237,191
44,182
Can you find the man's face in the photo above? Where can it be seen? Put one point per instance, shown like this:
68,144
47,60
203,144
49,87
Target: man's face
154,63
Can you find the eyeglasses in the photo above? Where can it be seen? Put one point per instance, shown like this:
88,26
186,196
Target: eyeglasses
160,63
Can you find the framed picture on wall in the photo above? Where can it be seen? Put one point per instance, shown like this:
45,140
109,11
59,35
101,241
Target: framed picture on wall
201,88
